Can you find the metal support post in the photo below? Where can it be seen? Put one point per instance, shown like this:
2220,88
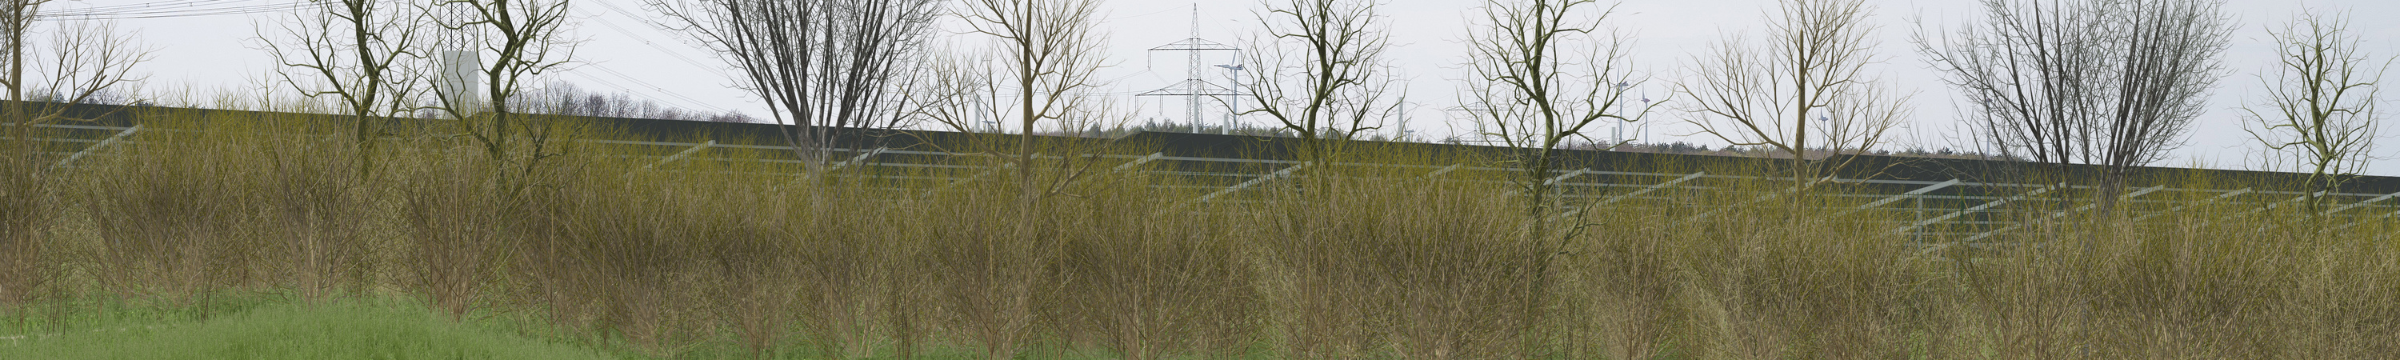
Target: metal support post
970,178
2060,214
1253,182
696,149
2361,203
856,159
839,165
1646,190
1614,199
2222,197
1919,211
1911,194
1795,189
1446,170
1964,212
2273,205
1568,175
121,135
1138,162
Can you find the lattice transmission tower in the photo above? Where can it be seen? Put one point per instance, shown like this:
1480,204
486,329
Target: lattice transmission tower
1193,87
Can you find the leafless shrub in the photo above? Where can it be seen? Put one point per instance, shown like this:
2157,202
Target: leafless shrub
27,210
1151,287
83,62
2321,107
458,226
820,65
317,202
1809,78
168,236
987,276
2108,83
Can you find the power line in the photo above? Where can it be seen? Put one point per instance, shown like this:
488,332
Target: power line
613,84
645,40
175,9
141,6
629,33
659,89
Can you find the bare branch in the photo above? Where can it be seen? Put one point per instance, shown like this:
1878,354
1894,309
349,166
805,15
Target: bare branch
2113,83
1805,92
526,39
365,54
1320,70
818,64
2320,108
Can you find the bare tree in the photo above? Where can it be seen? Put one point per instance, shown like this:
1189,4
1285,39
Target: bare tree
526,39
23,199
1321,72
1044,55
83,61
961,92
1541,72
820,65
1805,92
2110,83
2321,101
16,22
362,53
1048,52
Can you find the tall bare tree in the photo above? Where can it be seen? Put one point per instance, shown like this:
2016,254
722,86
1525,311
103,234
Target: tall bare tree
1044,54
2321,101
364,54
17,19
82,61
24,209
2110,83
1047,54
1320,71
820,65
1806,92
1542,71
526,39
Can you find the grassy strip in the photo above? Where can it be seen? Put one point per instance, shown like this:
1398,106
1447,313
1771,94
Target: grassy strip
346,329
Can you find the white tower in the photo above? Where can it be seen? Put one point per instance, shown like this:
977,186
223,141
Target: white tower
462,79
459,62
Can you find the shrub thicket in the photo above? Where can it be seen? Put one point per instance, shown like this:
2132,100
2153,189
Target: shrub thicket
724,252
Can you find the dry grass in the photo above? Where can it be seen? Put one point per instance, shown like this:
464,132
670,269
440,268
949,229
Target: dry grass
714,256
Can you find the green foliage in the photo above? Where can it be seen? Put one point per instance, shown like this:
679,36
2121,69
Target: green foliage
721,255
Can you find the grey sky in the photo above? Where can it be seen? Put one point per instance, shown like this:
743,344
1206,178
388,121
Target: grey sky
623,52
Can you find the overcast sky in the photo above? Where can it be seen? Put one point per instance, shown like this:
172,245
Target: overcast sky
624,52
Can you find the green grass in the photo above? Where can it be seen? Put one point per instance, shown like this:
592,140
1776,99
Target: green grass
347,329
